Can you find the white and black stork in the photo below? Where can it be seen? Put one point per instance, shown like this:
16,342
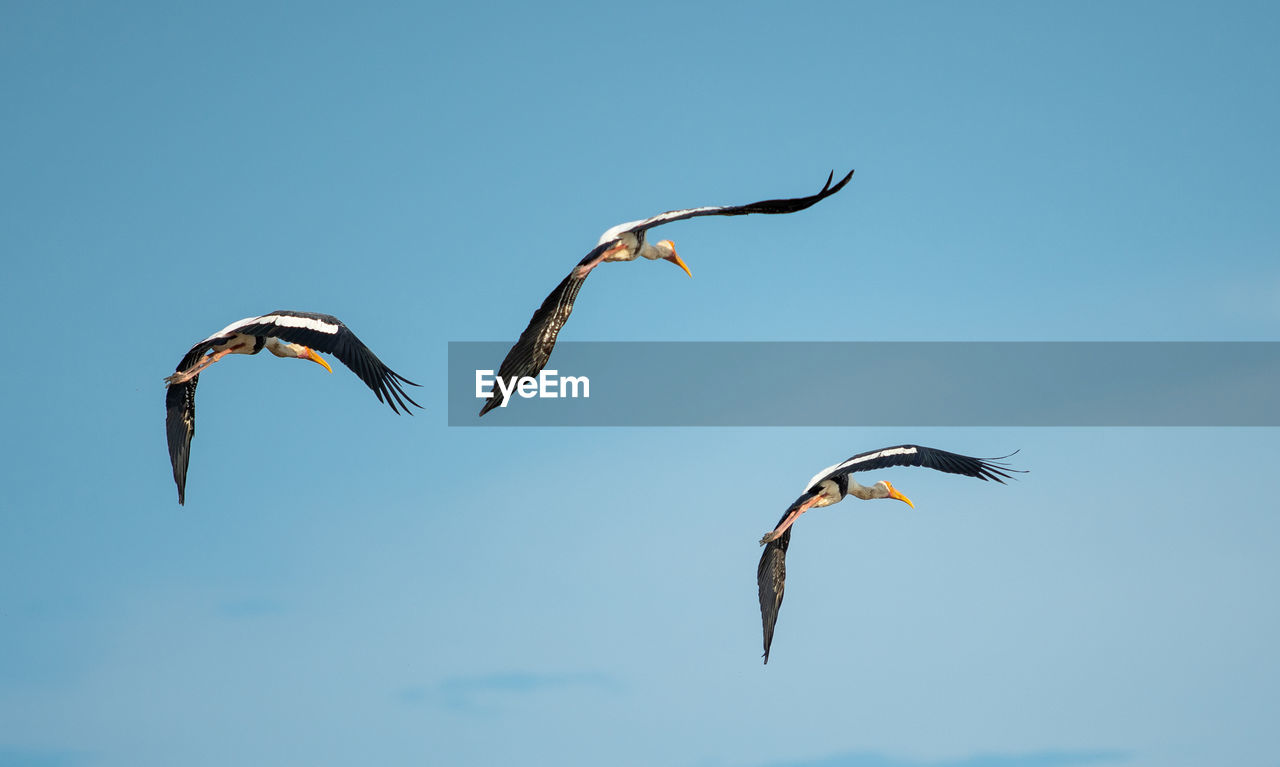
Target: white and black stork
624,242
832,485
286,334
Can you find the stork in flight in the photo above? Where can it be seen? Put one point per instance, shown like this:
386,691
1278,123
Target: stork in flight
285,334
832,485
624,242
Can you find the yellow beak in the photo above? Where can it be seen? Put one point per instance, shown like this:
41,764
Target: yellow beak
894,494
673,258
316,358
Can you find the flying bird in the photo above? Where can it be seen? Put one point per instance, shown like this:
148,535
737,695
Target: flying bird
832,485
285,334
624,242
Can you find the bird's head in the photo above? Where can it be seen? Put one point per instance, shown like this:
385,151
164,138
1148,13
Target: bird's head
886,490
286,350
307,353
667,251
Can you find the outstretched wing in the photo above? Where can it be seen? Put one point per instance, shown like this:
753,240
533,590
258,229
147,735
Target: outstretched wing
326,333
533,348
180,415
771,575
764,206
915,455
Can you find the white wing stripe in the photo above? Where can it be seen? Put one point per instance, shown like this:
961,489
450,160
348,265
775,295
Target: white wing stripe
859,459
287,321
228,330
819,476
648,223
878,454
280,320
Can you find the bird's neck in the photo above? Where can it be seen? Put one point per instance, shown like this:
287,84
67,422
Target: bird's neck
650,252
281,348
866,493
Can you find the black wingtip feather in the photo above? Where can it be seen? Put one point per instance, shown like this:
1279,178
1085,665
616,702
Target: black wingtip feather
842,182
997,471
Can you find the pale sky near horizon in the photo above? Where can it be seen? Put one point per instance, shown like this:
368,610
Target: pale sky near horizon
345,586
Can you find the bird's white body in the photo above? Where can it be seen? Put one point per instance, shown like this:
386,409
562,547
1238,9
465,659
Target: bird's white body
627,247
243,343
829,494
236,343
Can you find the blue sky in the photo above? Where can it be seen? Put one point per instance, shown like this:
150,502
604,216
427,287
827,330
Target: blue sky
380,589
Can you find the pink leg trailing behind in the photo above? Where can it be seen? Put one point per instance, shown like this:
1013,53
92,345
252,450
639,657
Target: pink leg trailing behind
586,268
194,370
789,520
